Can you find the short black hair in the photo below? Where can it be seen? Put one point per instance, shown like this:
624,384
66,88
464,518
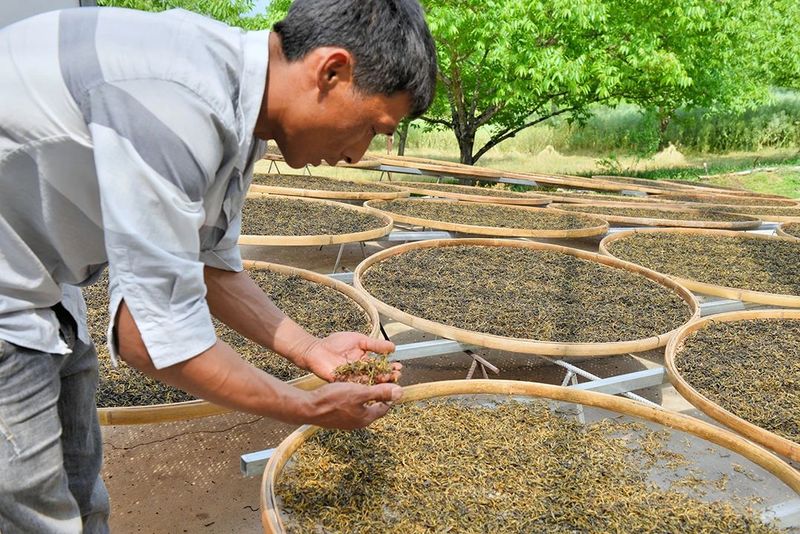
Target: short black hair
389,40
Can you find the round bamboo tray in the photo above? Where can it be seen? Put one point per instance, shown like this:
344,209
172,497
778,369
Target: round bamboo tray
326,193
527,346
770,218
595,225
178,411
759,297
316,240
270,508
720,198
420,188
781,231
768,439
748,222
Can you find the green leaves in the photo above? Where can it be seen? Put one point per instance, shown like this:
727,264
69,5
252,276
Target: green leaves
509,64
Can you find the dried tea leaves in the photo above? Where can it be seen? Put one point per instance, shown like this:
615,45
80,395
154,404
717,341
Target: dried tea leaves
743,262
513,467
319,309
464,190
751,368
730,200
491,215
280,216
654,213
765,212
364,371
793,229
319,183
526,293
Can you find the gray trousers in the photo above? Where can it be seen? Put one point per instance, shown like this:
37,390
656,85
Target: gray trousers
50,442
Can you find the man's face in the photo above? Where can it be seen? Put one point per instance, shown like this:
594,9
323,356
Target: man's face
339,126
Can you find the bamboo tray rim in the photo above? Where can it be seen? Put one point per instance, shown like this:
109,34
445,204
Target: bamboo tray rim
194,409
783,233
270,513
600,225
527,346
327,193
747,295
772,218
458,170
522,200
748,222
320,239
717,198
751,431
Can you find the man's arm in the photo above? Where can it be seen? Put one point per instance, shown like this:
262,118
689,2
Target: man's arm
221,376
236,300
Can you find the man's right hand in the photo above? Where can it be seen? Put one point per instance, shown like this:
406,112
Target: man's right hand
348,406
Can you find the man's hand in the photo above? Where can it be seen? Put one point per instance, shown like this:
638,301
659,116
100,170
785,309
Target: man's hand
348,406
325,355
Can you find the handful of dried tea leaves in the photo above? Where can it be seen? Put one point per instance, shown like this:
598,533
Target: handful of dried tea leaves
364,371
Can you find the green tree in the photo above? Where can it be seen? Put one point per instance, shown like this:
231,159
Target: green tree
506,65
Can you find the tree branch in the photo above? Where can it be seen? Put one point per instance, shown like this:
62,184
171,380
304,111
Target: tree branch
508,134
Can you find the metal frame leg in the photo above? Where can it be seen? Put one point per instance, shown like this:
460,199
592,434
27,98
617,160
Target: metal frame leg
338,258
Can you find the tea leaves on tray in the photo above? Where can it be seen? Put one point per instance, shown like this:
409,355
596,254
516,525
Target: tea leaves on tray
768,265
751,368
319,183
464,189
793,229
446,466
319,309
653,213
493,215
294,217
729,200
525,293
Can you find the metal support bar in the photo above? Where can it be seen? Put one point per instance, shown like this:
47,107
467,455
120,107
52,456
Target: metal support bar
253,464
338,258
590,376
425,349
416,236
616,385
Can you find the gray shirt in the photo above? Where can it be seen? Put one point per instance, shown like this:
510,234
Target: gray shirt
126,138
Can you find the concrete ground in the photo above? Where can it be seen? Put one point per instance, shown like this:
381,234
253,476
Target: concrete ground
184,476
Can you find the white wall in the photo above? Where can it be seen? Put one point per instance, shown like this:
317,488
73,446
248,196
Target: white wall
14,10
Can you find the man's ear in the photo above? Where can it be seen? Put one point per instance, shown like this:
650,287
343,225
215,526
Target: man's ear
334,68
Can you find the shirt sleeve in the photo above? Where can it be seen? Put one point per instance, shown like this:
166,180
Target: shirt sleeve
156,150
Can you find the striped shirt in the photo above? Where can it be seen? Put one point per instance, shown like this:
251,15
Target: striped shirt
126,138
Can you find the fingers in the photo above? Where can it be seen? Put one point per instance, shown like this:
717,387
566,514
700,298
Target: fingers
378,346
381,393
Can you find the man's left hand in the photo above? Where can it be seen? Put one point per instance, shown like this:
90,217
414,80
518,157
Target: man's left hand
337,349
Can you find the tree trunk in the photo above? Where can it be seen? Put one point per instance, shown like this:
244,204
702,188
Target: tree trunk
402,135
466,144
664,118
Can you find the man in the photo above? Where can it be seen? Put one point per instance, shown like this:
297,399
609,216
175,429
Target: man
128,139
